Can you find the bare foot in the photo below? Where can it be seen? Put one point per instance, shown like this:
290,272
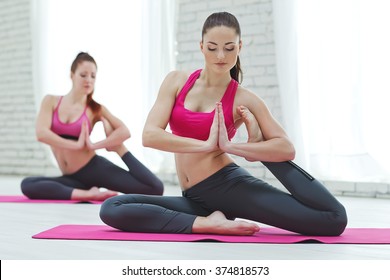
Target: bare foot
92,194
120,149
217,223
251,124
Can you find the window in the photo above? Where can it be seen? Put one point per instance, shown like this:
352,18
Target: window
118,34
340,58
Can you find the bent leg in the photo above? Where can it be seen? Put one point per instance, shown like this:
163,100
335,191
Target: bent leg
303,186
309,199
49,187
238,194
143,174
143,213
311,193
103,173
139,179
147,213
266,204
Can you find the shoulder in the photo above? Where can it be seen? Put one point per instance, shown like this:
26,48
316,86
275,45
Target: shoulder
50,100
173,83
249,99
103,109
245,96
51,97
102,112
177,77
96,116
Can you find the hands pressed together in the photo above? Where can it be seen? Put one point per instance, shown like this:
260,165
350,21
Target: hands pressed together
218,138
84,140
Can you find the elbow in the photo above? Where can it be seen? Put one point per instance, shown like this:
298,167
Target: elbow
39,138
126,134
122,133
151,138
287,150
290,155
40,135
290,151
147,138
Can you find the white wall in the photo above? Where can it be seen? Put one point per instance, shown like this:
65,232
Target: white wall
20,153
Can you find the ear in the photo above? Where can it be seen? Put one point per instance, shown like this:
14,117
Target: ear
239,46
201,45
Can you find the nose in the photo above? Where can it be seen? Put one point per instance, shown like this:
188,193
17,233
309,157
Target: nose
220,54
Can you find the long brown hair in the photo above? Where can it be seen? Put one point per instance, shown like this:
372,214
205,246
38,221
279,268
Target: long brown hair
81,57
228,20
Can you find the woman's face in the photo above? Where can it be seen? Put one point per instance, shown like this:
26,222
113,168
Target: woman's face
220,47
84,77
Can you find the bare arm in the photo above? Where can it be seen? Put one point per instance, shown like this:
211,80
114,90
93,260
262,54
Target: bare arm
276,146
154,133
43,125
119,134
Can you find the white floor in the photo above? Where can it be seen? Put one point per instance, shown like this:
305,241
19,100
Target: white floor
20,221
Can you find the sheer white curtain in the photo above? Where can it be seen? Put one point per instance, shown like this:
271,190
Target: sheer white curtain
131,43
285,26
340,53
158,58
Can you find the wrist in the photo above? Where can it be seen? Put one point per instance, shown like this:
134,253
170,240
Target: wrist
76,145
227,147
208,146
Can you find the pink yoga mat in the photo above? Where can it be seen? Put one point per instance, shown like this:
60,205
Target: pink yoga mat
24,199
266,235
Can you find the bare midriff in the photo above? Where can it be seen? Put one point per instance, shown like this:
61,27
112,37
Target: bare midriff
193,168
71,161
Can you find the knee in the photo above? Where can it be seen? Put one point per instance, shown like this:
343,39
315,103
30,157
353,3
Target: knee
117,211
332,224
27,187
159,188
339,223
107,210
342,221
111,211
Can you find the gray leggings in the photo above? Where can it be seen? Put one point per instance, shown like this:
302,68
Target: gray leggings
309,208
98,172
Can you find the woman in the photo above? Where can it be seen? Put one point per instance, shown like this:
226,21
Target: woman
64,123
203,110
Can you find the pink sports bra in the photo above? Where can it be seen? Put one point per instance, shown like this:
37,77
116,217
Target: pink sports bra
186,123
69,130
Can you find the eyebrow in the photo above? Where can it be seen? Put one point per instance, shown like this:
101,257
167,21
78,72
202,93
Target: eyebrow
86,72
213,43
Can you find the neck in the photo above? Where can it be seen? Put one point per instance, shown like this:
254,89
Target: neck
215,79
77,97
